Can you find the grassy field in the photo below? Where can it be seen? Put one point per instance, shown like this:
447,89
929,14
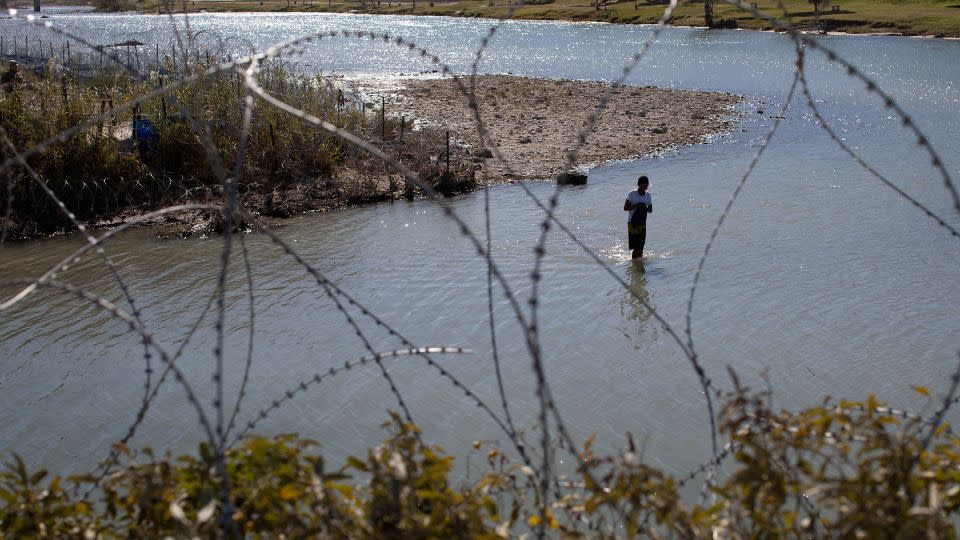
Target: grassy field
910,17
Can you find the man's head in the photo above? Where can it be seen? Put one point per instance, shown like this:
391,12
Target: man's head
643,183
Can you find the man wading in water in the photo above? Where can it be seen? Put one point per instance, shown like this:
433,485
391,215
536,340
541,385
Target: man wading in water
637,206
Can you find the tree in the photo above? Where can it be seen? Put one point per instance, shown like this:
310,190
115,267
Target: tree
818,4
708,13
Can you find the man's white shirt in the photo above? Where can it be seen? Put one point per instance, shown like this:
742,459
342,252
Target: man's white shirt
636,198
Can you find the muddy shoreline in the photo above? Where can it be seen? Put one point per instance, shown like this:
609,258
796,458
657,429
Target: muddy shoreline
533,124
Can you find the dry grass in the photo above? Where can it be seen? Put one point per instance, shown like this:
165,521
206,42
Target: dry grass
103,175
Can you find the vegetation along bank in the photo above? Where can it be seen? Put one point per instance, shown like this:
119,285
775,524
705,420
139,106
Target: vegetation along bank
841,470
152,156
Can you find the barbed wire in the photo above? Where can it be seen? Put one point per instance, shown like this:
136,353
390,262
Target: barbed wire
213,154
691,350
812,103
319,377
232,212
540,251
494,349
135,327
251,333
366,312
948,401
103,468
408,174
870,85
9,147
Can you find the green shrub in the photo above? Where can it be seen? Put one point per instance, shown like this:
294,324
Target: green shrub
841,470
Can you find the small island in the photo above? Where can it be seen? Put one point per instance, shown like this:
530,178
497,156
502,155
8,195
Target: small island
535,123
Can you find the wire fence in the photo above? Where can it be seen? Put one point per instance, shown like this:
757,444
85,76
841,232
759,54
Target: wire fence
227,419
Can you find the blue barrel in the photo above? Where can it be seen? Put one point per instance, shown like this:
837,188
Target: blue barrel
144,131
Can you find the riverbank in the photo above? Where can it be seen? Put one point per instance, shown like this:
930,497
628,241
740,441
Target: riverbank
292,168
940,18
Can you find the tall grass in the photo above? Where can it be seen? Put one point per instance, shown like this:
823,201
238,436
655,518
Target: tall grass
289,166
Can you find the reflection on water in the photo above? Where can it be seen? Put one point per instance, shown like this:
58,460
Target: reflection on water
636,303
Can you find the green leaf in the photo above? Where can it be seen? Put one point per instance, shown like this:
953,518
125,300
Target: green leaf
205,453
357,464
591,504
38,476
289,492
21,470
491,507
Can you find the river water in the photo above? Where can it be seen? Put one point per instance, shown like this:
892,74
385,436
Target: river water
822,280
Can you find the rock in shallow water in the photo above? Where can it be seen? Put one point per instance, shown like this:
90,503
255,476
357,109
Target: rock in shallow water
572,178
